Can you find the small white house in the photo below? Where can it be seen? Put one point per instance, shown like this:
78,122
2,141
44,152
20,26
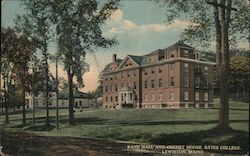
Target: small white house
81,100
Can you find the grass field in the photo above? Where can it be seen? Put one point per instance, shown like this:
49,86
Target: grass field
157,126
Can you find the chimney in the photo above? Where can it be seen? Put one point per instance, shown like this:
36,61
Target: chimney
114,57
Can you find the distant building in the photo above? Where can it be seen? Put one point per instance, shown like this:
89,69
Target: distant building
166,78
81,100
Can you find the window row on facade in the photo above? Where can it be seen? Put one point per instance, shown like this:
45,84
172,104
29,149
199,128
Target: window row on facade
158,97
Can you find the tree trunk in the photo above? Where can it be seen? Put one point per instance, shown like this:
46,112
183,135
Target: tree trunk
23,106
222,18
71,98
5,100
224,67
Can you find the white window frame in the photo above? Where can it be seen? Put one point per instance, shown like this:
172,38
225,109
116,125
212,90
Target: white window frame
160,97
153,97
206,96
171,96
146,97
186,95
197,96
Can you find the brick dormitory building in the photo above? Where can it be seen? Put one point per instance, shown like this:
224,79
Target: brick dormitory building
166,78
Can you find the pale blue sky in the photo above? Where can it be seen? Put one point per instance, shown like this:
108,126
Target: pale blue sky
139,26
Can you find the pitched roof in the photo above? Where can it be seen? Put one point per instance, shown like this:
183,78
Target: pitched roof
158,51
137,59
179,44
77,94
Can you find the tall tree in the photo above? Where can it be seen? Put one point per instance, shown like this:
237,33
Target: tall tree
77,25
18,45
36,23
79,35
224,21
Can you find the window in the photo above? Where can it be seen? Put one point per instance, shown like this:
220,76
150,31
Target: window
63,103
50,102
152,83
205,96
135,97
160,97
145,97
111,77
171,96
128,73
111,88
171,81
186,65
116,98
128,84
106,78
186,53
206,70
197,82
106,99
196,56
186,80
145,72
121,74
186,95
206,83
111,99
171,66
134,84
197,96
152,70
131,96
171,54
116,87
153,97
146,84
36,103
160,82
122,85
134,72
160,70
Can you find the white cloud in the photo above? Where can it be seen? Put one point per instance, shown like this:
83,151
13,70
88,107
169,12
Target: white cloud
116,16
118,25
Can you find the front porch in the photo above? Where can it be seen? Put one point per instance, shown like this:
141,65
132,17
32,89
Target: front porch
126,98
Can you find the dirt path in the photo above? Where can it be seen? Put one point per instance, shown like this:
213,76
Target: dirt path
26,144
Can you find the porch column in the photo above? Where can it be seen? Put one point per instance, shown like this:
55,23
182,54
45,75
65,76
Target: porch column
127,97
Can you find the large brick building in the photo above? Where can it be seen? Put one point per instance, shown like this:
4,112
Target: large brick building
166,78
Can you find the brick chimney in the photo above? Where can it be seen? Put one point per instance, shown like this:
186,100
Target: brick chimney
114,57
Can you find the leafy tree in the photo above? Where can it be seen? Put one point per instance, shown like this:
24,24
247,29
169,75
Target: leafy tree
36,23
224,21
78,27
18,45
239,70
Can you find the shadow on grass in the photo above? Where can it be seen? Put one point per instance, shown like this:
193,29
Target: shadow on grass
89,120
41,128
178,122
207,137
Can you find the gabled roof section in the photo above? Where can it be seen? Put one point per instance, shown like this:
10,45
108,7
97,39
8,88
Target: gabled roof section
108,69
135,59
179,44
156,52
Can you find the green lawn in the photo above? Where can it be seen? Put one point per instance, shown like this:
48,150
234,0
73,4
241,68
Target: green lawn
159,126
